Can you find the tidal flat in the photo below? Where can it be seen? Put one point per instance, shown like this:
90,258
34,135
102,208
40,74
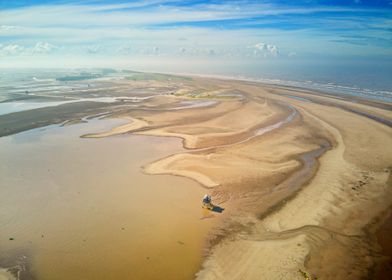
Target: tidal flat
80,208
112,190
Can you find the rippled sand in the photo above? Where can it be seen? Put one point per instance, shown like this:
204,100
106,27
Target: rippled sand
305,179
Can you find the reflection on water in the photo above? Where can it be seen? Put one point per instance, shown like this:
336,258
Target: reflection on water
82,208
18,106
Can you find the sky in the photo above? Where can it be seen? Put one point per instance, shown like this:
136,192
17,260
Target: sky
197,35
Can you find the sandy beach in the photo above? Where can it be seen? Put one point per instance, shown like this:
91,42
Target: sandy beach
304,177
321,227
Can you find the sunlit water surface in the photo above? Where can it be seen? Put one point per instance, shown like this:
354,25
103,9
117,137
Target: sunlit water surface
82,208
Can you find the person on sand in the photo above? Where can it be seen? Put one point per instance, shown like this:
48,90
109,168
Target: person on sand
207,201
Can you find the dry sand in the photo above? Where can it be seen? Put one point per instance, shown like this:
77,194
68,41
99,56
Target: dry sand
280,228
305,182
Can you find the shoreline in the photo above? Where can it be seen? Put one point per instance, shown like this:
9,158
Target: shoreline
375,119
105,214
292,172
338,93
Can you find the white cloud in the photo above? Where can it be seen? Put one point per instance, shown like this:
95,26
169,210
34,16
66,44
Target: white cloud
124,49
266,49
148,51
43,48
39,48
133,29
7,27
10,50
143,13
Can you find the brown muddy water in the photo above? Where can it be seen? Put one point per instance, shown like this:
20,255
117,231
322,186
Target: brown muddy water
73,208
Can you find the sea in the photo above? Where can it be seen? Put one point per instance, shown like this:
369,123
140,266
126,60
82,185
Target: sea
374,83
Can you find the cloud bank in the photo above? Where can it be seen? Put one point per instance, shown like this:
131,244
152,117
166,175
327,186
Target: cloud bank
270,30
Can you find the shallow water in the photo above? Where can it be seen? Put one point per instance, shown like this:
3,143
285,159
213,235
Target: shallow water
82,209
188,104
18,106
297,98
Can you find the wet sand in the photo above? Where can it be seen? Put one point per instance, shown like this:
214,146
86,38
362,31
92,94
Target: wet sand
383,270
309,225
82,209
303,176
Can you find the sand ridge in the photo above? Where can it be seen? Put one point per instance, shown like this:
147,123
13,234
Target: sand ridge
329,213
302,180
319,228
321,231
134,124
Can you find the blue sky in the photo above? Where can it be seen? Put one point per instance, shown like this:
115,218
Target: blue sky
50,33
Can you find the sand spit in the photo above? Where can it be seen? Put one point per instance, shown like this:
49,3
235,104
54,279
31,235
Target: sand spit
133,125
168,165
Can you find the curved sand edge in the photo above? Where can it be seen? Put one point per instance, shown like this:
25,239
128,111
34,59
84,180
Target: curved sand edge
255,128
323,222
181,164
163,167
125,128
319,232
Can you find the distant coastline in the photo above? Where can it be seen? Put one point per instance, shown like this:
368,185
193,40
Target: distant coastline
326,88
